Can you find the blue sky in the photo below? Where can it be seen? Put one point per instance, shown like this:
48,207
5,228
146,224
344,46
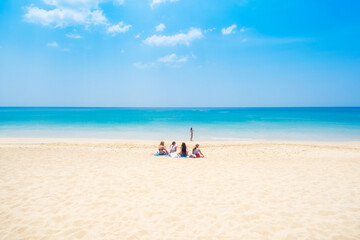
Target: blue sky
179,53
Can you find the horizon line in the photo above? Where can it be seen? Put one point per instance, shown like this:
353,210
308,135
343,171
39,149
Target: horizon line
178,107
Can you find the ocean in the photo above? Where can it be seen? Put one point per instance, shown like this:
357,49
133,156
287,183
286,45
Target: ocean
309,124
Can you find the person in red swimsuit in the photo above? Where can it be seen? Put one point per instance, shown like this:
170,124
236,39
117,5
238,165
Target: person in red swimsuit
196,151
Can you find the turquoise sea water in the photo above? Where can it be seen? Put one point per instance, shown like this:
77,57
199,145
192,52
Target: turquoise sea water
319,124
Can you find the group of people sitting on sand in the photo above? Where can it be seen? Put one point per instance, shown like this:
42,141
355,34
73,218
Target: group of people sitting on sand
196,152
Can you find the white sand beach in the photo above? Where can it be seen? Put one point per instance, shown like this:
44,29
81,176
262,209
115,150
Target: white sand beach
116,189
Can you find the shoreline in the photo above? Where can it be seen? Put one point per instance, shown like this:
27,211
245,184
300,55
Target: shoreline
145,135
34,140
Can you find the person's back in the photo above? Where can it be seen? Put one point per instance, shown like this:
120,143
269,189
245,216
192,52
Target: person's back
162,149
183,152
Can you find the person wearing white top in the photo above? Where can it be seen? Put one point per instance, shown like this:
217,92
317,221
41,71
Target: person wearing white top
173,149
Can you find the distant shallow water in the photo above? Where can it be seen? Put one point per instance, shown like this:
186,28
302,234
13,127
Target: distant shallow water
318,124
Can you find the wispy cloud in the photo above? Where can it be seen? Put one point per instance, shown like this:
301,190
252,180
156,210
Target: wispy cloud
138,35
68,13
156,2
79,3
172,58
169,60
160,27
73,35
209,30
118,28
56,45
228,30
141,65
120,2
53,44
61,17
172,40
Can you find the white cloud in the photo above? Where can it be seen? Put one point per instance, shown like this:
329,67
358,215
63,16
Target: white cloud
73,35
118,28
172,58
243,29
160,27
79,3
61,17
181,38
228,30
155,2
138,35
68,12
53,44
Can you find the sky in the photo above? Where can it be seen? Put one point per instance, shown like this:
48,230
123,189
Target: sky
179,53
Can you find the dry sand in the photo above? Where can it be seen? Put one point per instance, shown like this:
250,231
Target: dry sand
112,189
